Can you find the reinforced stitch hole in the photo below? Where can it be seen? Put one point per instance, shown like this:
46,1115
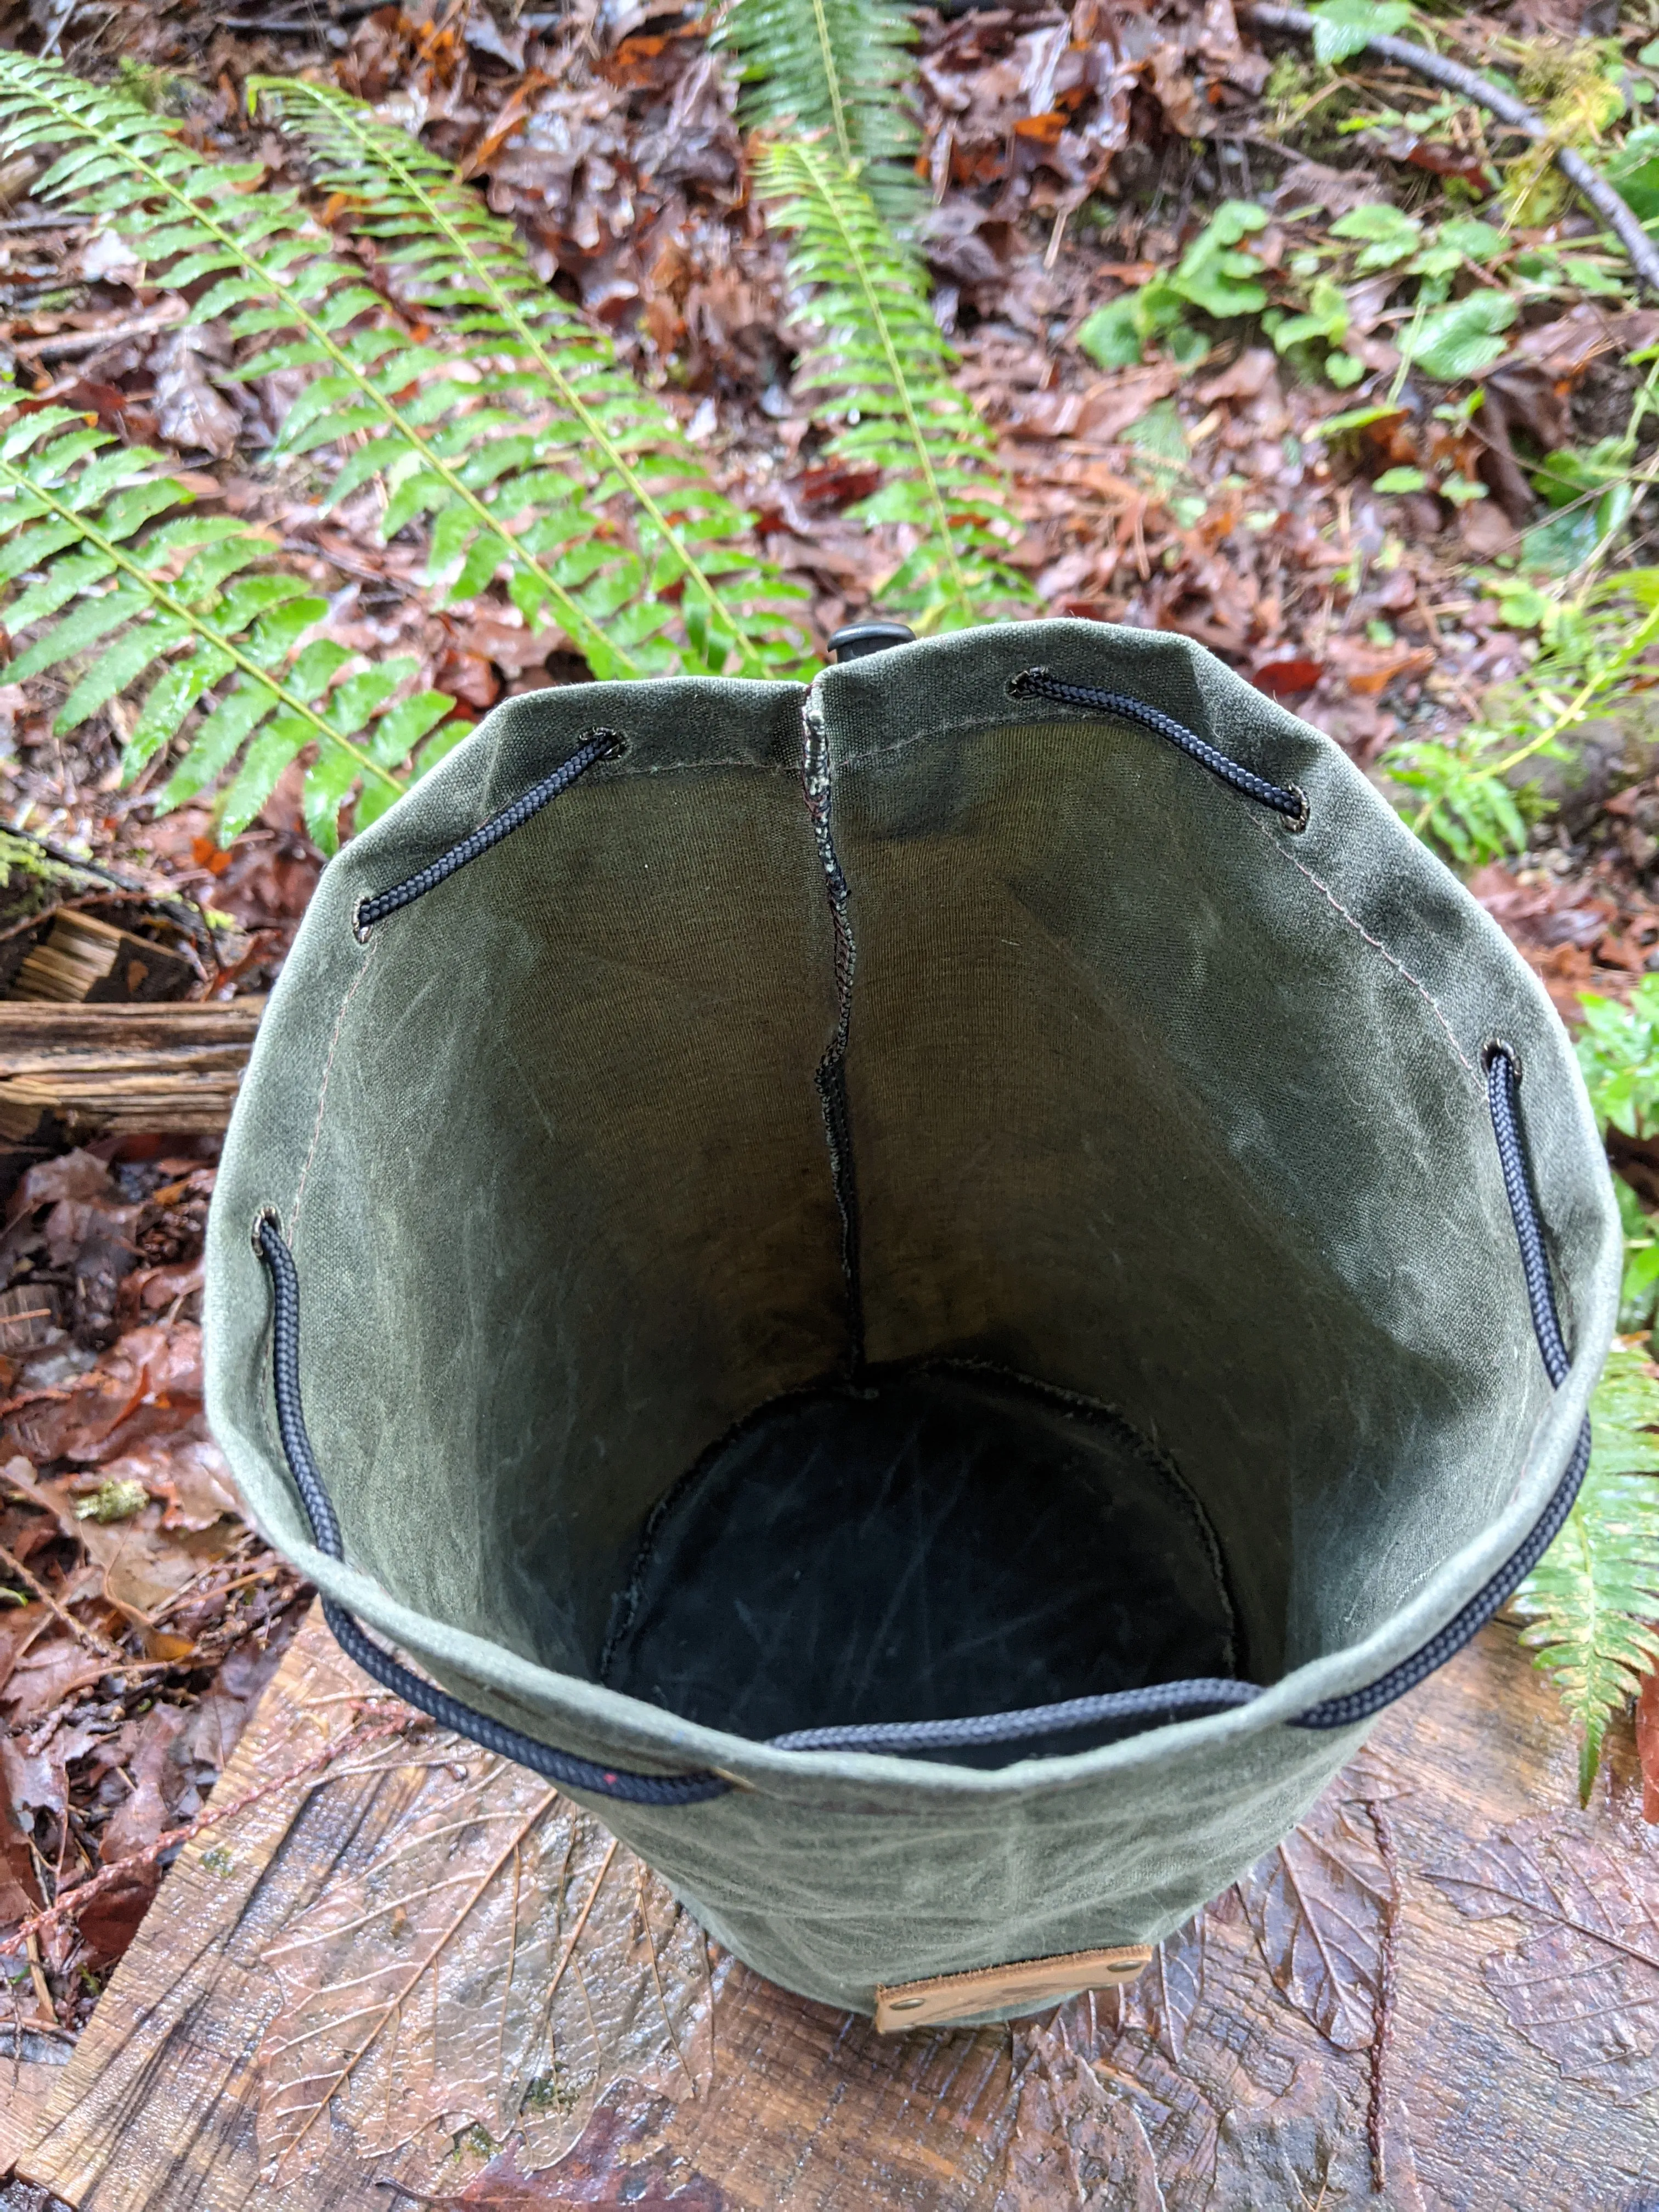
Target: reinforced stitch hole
596,745
1285,799
1497,1048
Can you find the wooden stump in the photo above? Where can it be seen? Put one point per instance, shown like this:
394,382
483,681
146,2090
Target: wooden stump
1488,2036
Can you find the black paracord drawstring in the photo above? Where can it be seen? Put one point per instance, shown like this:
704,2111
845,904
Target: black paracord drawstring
1157,1700
597,745
570,1773
1284,798
1360,1705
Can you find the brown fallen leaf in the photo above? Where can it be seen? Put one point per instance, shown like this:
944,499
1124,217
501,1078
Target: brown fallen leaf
132,1563
29,1784
48,1669
20,1626
190,1474
1583,1984
501,1964
149,1383
1319,1906
1162,1999
1369,669
1288,680
189,412
1247,378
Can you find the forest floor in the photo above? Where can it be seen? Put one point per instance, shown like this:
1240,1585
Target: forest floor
1372,578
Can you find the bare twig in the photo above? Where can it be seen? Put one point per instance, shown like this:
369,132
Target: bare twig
1384,2006
131,327
1470,85
78,1628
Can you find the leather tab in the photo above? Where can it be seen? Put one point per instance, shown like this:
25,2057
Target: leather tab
950,1997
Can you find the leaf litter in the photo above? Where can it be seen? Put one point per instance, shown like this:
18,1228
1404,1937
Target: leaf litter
140,1618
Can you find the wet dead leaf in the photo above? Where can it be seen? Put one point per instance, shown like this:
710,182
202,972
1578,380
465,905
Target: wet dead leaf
1319,1906
1582,1986
190,413
1288,680
501,1964
1164,2000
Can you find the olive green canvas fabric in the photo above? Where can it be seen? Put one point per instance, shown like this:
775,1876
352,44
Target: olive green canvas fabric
1153,1102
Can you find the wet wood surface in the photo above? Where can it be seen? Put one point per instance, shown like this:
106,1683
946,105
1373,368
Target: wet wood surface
1442,1995
102,1070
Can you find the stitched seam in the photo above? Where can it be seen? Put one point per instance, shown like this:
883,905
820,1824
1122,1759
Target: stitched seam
1417,984
322,1094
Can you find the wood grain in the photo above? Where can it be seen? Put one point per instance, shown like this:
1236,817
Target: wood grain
97,1069
1204,2086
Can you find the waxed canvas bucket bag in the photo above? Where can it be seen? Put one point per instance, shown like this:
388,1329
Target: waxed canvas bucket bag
927,1291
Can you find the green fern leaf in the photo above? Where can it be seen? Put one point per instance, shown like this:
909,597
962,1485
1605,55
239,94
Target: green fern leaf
434,410
843,69
1592,1602
174,601
453,256
882,367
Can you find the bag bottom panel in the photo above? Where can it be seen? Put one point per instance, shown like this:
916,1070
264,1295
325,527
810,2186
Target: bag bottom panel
928,1543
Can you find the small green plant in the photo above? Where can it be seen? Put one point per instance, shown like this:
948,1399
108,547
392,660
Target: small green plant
1460,337
1342,28
1216,274
1591,1605
1222,277
1618,1058
1464,795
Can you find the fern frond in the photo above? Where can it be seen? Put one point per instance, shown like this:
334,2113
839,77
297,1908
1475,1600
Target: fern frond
1593,1599
446,430
884,367
191,603
840,68
454,255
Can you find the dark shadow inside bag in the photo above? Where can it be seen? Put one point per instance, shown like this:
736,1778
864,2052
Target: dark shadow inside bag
891,1549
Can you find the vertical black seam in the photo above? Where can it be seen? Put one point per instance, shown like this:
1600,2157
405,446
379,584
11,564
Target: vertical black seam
829,1080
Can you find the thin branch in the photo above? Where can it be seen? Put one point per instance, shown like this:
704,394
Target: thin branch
88,341
1388,1966
78,1628
1469,84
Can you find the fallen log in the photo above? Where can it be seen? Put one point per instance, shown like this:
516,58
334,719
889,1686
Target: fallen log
80,1070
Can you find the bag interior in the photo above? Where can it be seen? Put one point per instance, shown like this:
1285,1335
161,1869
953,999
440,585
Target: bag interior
1075,1259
